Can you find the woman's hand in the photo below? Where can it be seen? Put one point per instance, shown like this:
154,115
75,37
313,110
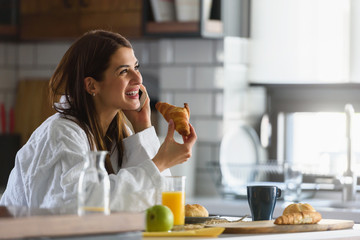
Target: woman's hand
140,120
172,153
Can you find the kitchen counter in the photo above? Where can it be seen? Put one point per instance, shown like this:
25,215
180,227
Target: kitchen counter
118,227
353,233
38,223
240,207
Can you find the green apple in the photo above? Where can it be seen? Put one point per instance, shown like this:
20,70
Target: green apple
159,218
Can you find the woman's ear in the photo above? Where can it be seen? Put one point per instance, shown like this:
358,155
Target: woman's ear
90,85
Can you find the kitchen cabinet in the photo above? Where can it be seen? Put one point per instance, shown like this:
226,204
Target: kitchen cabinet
68,19
9,10
302,41
227,18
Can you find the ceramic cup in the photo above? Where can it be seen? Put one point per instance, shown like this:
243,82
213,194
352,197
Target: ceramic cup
262,200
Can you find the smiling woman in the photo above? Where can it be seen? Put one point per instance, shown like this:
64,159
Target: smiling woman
98,83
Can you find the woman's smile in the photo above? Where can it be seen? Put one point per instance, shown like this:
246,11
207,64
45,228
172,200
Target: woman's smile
133,94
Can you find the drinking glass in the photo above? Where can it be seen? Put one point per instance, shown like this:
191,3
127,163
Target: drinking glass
173,196
293,179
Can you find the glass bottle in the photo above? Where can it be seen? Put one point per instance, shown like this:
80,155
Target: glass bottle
94,185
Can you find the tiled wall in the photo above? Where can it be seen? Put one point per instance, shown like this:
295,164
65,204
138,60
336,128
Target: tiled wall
202,72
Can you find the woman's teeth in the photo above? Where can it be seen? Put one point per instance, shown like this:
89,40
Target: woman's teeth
133,93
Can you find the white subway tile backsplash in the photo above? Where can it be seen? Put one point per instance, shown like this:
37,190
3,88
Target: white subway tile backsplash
8,78
209,77
236,50
219,51
2,54
153,53
235,76
11,54
10,100
234,100
209,130
200,103
176,78
205,155
194,51
206,184
166,51
167,97
36,73
142,52
219,104
50,53
27,54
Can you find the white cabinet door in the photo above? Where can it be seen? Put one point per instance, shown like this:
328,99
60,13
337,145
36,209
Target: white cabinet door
355,42
300,41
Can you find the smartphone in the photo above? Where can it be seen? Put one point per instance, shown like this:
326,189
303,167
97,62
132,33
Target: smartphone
142,98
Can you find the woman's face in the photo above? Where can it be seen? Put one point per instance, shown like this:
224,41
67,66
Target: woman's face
120,86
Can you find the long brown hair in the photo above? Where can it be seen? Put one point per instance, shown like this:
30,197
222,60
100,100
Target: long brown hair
89,56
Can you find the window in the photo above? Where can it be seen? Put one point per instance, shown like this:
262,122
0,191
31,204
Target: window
317,141
309,124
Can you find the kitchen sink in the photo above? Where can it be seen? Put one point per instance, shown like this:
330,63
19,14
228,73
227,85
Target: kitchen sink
334,204
348,205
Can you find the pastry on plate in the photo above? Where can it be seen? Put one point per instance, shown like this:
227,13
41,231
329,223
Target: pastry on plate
195,210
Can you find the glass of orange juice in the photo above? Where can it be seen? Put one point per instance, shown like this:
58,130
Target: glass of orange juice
173,196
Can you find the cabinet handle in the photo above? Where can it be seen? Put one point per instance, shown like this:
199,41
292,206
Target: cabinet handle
84,3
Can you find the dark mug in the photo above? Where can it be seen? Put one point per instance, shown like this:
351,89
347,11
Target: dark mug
262,200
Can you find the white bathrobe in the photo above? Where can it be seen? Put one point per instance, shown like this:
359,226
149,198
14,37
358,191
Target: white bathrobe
48,166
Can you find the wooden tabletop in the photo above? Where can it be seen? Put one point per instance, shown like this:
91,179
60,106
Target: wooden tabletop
21,222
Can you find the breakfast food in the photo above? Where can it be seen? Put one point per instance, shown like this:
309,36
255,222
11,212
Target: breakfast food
195,210
299,213
180,116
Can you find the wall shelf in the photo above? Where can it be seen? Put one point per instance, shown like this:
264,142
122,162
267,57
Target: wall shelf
234,23
211,26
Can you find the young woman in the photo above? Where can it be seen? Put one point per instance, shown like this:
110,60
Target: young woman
97,82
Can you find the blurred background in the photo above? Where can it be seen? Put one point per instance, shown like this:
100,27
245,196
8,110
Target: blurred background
266,80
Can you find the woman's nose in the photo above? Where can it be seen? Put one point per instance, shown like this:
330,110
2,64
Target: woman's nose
136,77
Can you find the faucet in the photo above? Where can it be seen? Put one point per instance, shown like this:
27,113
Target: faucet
349,176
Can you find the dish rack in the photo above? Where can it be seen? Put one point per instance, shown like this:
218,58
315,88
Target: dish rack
232,179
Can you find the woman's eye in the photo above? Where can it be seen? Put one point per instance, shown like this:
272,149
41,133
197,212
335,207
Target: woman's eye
123,71
137,67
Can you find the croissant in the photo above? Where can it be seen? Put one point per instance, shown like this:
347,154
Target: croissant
298,207
299,218
299,213
179,115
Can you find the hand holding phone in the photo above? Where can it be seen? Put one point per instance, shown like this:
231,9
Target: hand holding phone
142,99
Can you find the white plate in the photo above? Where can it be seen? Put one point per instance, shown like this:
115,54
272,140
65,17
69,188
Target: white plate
239,153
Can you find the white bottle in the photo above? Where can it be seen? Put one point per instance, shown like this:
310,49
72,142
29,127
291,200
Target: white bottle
94,185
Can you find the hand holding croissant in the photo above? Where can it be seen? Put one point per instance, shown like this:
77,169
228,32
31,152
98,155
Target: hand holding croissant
180,116
171,152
